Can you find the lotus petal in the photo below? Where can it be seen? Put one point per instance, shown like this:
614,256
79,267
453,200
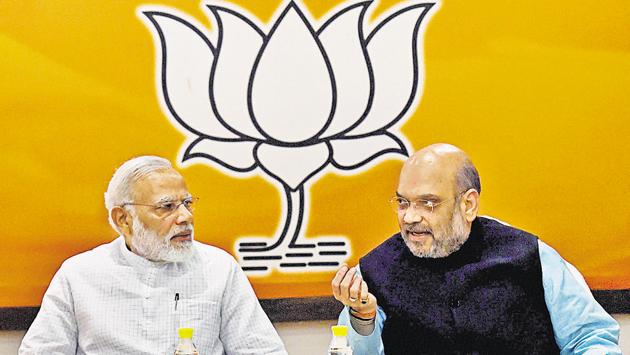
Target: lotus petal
292,85
234,155
342,37
187,57
352,153
237,49
398,68
292,165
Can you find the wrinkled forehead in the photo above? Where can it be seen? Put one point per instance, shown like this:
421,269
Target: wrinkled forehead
427,175
159,185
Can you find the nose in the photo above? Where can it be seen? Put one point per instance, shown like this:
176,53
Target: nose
184,216
412,215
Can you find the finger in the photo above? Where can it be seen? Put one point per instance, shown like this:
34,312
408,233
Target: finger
364,292
344,288
336,281
355,289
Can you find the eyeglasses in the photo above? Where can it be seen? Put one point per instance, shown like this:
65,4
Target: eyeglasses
167,208
401,204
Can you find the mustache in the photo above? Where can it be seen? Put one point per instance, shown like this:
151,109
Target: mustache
417,228
181,229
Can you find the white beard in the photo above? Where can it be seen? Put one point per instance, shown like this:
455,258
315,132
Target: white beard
151,246
445,241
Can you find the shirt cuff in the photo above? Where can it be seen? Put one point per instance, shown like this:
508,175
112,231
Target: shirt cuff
363,327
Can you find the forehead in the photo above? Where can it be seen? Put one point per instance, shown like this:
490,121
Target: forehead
426,177
158,184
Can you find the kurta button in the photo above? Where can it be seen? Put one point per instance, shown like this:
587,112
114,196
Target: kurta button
455,303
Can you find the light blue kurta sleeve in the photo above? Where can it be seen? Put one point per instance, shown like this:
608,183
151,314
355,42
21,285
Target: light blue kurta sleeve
364,345
580,324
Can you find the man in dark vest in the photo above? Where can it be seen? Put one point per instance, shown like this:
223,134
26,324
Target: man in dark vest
454,283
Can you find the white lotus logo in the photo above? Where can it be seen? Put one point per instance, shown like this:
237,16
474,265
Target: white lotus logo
294,101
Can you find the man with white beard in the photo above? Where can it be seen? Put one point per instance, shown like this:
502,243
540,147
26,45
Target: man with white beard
130,296
454,283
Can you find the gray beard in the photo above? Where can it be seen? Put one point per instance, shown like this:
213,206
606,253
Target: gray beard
152,247
445,241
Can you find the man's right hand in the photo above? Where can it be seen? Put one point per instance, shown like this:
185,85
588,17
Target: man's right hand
350,289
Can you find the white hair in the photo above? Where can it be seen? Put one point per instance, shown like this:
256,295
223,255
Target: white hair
119,189
151,246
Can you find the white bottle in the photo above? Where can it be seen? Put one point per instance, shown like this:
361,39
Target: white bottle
339,343
186,346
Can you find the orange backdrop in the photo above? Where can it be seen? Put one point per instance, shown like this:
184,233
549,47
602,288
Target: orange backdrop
536,92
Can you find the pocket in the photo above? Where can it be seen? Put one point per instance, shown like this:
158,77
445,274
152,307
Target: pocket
205,319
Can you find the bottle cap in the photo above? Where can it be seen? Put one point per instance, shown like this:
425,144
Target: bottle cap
186,333
340,330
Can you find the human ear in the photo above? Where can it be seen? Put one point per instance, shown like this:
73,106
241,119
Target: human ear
470,201
122,220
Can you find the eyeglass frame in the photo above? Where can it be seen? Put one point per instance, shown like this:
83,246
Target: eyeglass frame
425,207
169,212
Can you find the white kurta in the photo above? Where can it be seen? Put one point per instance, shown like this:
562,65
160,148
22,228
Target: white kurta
111,301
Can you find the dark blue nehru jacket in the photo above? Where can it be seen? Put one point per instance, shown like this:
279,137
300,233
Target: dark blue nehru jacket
486,298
